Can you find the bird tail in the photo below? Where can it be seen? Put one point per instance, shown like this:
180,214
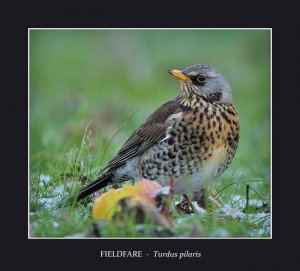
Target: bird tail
94,186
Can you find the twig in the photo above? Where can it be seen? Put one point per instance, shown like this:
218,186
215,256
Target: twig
247,197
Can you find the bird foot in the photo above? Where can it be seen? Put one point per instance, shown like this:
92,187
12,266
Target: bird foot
186,205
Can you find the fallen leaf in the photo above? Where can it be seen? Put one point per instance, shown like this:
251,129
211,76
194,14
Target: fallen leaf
141,211
140,193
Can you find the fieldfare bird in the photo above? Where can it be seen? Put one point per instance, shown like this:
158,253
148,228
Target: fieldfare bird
192,138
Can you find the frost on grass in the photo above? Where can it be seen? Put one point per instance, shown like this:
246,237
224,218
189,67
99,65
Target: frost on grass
229,211
52,198
43,181
259,221
200,210
76,235
50,190
220,232
47,203
237,201
262,223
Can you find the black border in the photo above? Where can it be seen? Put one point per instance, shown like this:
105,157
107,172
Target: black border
233,254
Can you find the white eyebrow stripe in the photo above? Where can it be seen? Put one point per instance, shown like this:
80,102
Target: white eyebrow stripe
193,74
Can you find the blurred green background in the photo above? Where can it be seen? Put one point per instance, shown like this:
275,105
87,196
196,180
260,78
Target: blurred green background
107,75
111,77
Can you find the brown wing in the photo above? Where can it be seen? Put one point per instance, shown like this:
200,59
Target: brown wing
147,135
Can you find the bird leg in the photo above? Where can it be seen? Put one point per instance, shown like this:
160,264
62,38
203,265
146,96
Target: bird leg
186,205
199,197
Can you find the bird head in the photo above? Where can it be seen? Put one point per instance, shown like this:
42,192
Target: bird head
203,80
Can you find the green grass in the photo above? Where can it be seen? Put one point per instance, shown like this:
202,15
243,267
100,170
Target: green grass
89,90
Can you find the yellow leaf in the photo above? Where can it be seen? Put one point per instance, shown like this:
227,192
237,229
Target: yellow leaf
107,204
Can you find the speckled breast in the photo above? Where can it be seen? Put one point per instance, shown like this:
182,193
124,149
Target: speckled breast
199,139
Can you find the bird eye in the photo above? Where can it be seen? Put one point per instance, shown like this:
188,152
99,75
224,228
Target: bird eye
201,78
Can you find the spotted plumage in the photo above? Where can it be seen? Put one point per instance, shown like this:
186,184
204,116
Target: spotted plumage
193,145
193,137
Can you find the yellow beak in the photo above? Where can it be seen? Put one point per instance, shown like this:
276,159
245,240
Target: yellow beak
178,74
